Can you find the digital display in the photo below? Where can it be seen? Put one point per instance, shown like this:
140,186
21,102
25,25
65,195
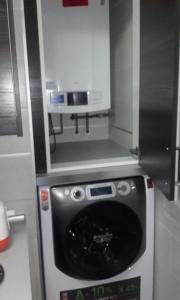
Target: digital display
55,99
77,98
105,190
122,290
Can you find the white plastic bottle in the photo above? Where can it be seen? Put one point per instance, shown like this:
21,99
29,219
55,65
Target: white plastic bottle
4,228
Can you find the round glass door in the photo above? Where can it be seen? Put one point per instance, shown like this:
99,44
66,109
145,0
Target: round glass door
102,240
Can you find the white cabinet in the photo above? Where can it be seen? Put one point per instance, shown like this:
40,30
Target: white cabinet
81,136
145,30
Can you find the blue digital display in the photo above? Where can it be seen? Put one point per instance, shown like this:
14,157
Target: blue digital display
56,99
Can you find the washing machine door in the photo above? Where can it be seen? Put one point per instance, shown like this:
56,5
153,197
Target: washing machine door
101,241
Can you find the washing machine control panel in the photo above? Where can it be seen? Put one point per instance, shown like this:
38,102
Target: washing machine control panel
98,191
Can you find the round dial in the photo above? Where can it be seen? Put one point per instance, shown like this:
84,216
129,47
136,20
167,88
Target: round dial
1,273
77,194
124,188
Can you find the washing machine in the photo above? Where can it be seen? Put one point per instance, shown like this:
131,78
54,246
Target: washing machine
97,238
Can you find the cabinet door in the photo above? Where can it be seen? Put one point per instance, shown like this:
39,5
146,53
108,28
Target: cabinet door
10,112
159,63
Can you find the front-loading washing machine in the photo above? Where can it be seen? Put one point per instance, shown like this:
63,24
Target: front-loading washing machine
98,238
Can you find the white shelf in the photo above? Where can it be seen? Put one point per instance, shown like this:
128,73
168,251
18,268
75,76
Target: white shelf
90,154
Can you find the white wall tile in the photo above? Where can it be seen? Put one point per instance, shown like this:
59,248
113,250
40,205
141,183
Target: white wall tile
16,178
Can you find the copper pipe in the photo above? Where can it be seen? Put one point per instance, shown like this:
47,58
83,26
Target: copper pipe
76,124
61,124
87,123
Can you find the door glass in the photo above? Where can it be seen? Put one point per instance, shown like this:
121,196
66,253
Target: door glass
101,241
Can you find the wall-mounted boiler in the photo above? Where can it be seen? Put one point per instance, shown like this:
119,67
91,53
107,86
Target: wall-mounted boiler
77,56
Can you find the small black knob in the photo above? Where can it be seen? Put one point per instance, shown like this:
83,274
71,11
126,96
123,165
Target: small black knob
1,273
77,194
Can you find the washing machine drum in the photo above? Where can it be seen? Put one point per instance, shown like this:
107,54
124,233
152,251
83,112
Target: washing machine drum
101,241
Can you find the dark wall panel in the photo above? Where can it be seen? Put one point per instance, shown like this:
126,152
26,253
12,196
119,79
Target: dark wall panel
158,90
35,84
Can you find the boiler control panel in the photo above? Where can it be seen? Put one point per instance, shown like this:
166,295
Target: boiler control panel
73,101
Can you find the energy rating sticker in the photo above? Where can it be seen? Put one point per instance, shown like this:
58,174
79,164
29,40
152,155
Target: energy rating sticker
122,290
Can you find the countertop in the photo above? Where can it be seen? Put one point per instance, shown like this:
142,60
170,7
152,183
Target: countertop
15,261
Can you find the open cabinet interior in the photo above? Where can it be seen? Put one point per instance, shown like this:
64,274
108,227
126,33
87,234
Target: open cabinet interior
90,74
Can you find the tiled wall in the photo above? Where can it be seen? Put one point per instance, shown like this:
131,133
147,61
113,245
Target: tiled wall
167,249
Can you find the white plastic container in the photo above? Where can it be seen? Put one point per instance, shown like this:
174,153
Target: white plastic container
4,228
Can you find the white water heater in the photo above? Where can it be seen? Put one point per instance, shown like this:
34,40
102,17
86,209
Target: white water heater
77,55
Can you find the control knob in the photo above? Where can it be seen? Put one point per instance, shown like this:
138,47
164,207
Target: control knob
124,188
77,194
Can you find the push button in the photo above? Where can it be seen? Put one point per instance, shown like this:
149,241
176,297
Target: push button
44,195
44,198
